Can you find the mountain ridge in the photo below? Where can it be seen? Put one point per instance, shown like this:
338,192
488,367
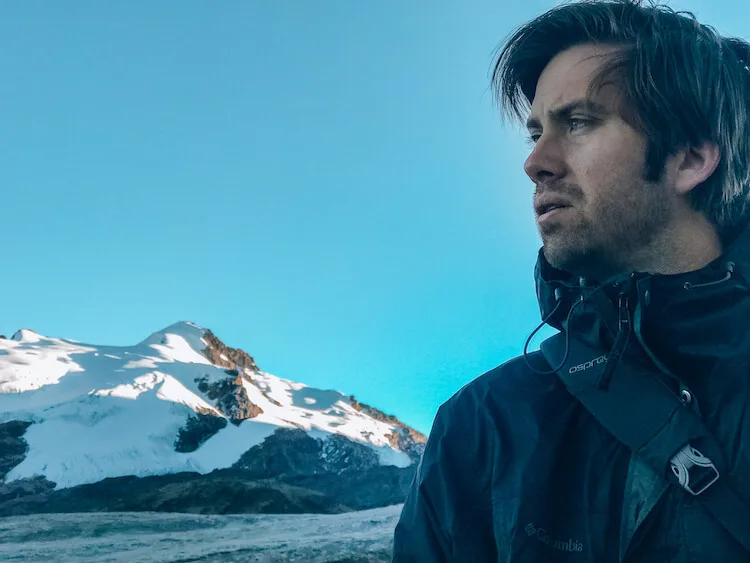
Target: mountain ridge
181,400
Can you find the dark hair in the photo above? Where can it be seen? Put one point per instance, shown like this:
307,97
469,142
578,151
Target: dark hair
681,82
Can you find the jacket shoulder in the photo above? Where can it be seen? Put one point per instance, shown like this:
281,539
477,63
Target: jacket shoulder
510,385
504,410
478,451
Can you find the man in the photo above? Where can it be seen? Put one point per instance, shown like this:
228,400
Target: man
641,150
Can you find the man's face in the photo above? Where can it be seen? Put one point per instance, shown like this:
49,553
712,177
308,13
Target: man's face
590,159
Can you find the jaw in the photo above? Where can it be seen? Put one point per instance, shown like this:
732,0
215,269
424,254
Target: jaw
576,249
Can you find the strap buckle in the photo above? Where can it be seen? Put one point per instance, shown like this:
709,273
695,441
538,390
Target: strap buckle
694,471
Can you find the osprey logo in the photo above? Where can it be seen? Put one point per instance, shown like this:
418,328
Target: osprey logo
543,536
586,365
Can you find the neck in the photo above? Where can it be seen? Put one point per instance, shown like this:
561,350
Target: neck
691,245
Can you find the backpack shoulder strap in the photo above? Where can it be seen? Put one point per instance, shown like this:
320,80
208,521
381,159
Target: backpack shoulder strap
640,410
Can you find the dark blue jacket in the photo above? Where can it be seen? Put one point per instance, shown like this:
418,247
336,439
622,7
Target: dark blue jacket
516,470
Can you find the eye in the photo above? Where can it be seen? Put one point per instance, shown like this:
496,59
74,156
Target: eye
574,120
575,123
532,139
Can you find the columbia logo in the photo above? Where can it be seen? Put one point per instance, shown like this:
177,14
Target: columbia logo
543,536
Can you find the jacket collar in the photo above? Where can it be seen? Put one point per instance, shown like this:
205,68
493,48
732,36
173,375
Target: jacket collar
690,319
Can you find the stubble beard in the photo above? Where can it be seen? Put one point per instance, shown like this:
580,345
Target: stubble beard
604,239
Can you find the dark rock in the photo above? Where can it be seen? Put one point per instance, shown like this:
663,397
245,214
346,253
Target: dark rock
225,491
198,428
238,362
288,451
220,492
293,452
27,487
409,441
383,485
13,447
233,494
342,455
237,359
404,438
231,398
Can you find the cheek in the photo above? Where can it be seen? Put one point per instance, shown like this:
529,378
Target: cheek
604,174
600,160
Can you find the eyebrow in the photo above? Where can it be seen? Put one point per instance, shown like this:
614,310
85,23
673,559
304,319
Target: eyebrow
563,112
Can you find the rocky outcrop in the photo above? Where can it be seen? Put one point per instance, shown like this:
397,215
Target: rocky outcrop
220,492
25,496
222,355
13,447
292,452
199,428
230,397
288,451
343,456
404,438
378,486
409,441
230,394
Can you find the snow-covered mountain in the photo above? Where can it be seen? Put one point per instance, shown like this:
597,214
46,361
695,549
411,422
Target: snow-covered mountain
73,414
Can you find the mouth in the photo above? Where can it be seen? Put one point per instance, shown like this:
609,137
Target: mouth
549,211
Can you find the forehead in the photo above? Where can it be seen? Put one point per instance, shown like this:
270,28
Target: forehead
567,77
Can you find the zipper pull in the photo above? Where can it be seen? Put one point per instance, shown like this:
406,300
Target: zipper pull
623,313
621,341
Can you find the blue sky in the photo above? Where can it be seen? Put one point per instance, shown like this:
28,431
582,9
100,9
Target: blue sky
326,185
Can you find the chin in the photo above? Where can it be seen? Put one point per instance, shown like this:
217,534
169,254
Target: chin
556,254
574,260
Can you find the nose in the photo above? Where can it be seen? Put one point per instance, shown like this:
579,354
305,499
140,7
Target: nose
545,162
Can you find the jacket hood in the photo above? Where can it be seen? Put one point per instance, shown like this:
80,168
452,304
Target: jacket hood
691,319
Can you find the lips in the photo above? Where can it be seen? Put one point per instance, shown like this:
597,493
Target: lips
549,208
546,204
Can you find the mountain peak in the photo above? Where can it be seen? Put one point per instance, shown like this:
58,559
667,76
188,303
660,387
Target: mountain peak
186,338
25,335
186,330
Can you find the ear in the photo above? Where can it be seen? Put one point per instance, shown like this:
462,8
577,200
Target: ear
695,165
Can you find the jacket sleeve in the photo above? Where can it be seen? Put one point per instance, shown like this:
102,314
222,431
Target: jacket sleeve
421,533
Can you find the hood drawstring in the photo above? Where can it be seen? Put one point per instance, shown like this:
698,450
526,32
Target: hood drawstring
621,340
729,266
558,297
